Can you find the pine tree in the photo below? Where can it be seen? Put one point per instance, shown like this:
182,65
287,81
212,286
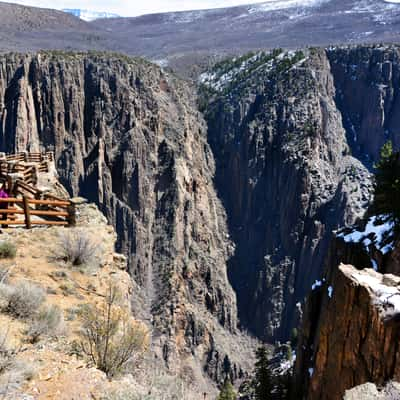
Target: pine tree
387,184
227,392
263,380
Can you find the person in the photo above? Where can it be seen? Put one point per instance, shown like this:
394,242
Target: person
3,205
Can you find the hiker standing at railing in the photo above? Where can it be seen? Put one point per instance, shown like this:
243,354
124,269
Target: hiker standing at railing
3,205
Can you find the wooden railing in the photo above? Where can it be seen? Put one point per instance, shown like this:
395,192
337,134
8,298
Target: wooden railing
28,205
36,212
28,165
31,157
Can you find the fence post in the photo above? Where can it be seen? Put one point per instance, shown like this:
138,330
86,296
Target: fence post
71,214
72,209
27,212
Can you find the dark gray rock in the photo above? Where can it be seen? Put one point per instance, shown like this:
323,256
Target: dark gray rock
128,137
287,179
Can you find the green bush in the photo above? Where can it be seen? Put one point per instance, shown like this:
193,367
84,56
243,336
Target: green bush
387,184
263,379
7,249
227,392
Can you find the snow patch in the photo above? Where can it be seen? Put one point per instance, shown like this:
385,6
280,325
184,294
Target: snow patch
316,284
311,372
378,230
272,5
88,15
330,292
386,296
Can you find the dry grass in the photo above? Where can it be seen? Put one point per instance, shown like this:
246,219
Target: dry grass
22,300
13,371
48,322
78,248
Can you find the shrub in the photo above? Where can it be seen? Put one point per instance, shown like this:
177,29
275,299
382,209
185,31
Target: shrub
4,273
7,355
7,249
77,247
13,372
110,336
227,392
23,300
387,185
48,322
157,385
263,379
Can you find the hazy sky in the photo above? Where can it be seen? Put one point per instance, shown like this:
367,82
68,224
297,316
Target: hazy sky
136,7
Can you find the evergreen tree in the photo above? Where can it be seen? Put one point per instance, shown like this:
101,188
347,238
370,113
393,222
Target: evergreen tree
227,392
387,185
263,380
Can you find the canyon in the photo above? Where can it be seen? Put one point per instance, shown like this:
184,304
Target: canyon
225,214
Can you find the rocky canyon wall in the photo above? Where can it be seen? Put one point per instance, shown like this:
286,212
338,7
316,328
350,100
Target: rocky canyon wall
350,334
128,137
280,152
287,178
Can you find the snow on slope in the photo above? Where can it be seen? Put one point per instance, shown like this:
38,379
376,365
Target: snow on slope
284,4
88,15
378,231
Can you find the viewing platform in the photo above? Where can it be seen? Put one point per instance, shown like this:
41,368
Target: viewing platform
27,186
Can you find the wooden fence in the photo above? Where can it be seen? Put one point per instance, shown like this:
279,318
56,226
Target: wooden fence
31,157
28,211
27,165
28,205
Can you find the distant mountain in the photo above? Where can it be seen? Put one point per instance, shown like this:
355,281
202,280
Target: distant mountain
186,39
31,28
182,39
88,15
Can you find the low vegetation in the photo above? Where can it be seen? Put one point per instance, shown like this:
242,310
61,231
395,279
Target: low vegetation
155,385
22,300
13,371
78,248
7,355
48,322
110,337
387,184
227,392
7,249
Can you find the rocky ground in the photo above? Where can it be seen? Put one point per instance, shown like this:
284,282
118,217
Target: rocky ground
54,372
369,391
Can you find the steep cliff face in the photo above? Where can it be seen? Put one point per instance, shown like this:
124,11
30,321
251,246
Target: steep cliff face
352,335
282,128
286,176
367,93
127,136
351,324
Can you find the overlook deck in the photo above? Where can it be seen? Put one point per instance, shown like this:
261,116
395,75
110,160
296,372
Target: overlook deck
24,203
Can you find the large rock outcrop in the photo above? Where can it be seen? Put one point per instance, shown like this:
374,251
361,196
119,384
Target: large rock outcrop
367,82
128,137
350,334
286,177
369,391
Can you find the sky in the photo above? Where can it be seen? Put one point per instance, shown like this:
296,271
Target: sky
136,7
